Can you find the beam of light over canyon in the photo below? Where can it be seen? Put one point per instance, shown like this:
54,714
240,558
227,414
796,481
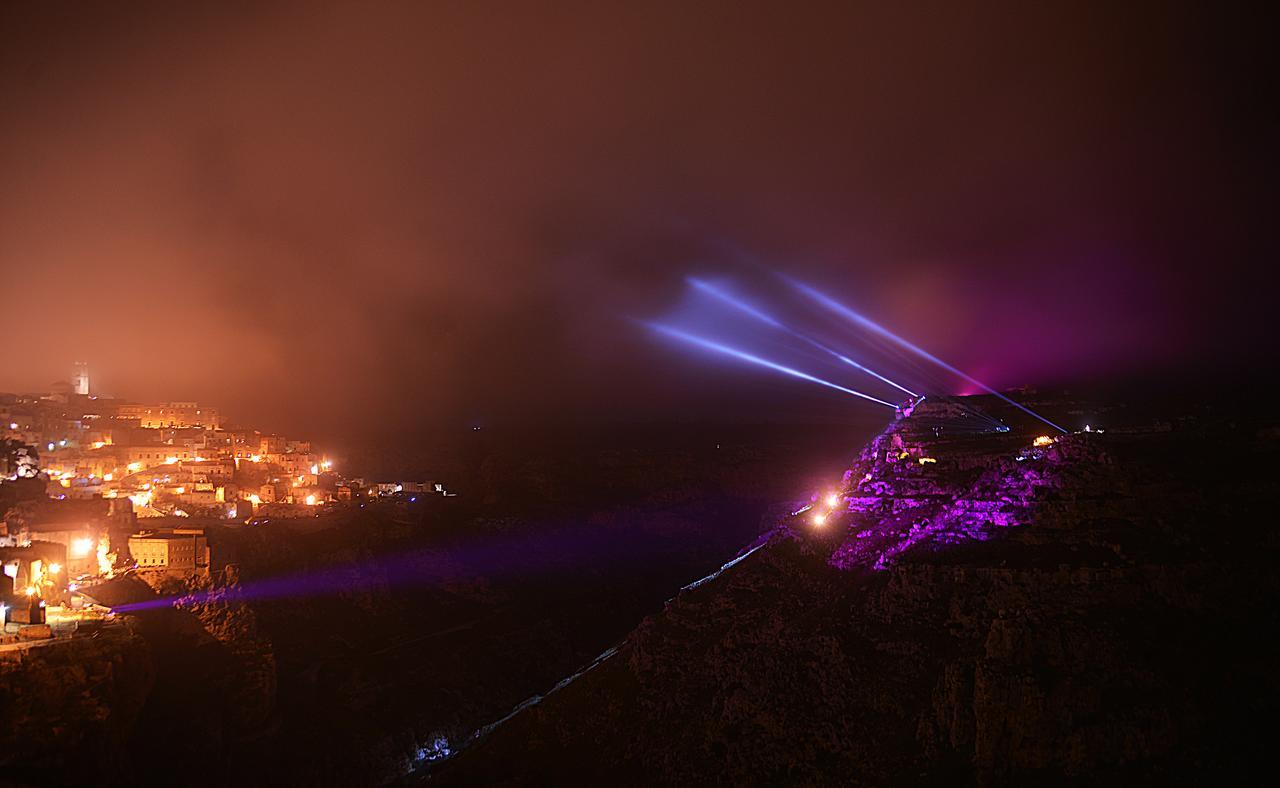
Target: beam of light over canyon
708,344
876,328
746,308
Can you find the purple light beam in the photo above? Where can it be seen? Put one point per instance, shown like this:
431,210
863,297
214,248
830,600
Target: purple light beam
742,306
876,328
749,358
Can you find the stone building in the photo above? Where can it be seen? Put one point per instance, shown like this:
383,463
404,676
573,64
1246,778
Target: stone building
177,550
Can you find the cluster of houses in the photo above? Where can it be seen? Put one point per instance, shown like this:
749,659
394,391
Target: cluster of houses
109,485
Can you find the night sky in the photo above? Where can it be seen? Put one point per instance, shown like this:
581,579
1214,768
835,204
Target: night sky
378,215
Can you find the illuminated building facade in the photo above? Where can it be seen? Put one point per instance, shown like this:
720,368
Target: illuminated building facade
177,550
171,414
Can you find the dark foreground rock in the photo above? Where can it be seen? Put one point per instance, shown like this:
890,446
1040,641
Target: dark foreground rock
68,709
1100,608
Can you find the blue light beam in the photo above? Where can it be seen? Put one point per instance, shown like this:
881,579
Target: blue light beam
876,328
742,306
707,344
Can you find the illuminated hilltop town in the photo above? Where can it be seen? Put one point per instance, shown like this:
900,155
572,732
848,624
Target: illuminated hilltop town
92,486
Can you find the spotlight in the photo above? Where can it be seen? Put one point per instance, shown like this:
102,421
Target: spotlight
742,306
876,328
738,354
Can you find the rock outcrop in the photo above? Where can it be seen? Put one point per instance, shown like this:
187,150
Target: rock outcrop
973,608
81,696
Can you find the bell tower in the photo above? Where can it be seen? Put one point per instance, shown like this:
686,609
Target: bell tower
80,380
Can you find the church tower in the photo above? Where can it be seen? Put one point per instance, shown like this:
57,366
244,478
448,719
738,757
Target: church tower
80,380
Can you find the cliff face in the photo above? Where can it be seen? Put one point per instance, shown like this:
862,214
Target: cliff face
148,696
213,620
1098,608
81,696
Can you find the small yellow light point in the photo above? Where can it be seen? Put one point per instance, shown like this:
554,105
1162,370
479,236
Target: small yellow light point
819,519
833,500
1043,440
55,568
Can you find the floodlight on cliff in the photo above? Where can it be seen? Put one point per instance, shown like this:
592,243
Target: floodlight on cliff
875,328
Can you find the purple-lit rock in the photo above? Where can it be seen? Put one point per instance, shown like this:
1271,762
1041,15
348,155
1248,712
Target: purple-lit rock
913,490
